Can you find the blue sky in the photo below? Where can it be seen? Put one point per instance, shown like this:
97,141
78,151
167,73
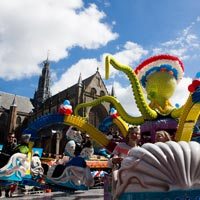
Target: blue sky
78,34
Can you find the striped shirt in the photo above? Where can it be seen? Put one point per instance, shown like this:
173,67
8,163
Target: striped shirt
121,149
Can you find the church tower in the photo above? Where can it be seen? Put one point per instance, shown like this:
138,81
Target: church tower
43,91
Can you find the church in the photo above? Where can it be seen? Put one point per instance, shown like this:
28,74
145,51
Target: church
16,112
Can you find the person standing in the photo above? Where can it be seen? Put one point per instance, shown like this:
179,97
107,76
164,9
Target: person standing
7,151
132,139
121,150
9,146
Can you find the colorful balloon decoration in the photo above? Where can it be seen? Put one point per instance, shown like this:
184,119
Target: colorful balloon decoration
113,113
108,121
65,108
193,86
155,78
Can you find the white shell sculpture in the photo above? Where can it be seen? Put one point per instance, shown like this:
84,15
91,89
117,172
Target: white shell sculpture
160,167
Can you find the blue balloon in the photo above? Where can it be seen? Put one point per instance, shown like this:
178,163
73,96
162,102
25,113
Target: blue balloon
66,102
112,110
177,105
197,75
104,126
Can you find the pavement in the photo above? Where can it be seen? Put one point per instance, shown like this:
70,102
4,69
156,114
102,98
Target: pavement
95,194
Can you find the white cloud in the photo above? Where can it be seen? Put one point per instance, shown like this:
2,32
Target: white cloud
181,94
29,28
85,67
126,98
129,55
184,46
132,53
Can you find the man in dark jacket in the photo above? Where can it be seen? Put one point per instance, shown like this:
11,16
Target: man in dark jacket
9,146
7,151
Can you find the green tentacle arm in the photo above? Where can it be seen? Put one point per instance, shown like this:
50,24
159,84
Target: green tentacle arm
117,105
146,111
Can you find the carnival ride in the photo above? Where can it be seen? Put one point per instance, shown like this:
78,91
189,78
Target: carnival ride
158,75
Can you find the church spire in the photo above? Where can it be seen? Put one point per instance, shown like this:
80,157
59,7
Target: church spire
80,82
14,103
113,91
43,91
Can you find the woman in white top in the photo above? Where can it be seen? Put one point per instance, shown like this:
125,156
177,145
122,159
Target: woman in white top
121,150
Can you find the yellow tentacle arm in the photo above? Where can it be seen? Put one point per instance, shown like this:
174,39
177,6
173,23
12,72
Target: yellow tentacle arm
125,116
187,120
176,113
143,107
122,125
110,60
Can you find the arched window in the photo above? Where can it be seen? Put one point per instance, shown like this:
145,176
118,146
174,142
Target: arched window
97,114
18,120
4,118
102,93
93,91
